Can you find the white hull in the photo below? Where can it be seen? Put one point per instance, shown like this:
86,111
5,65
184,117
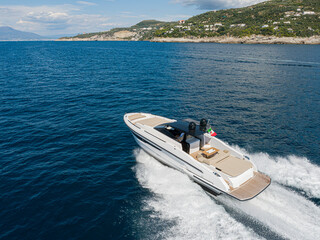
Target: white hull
169,152
171,161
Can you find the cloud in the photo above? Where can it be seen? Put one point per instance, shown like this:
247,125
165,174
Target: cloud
49,20
217,4
87,3
47,17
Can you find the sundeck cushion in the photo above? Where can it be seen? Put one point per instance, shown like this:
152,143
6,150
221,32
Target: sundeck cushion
152,122
136,116
218,157
233,166
201,158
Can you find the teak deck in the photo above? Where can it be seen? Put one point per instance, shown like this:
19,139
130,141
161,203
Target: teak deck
224,162
152,121
252,187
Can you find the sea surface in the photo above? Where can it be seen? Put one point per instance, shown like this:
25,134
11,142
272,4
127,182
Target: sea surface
70,168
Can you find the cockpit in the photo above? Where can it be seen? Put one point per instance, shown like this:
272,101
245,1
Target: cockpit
188,132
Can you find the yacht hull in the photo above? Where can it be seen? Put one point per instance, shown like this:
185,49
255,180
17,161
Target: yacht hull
164,158
231,174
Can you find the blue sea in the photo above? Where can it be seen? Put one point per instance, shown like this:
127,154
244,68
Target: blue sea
70,168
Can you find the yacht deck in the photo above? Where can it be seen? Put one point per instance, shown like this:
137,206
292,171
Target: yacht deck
252,187
148,120
232,166
224,162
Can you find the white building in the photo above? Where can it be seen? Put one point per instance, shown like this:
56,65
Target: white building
309,13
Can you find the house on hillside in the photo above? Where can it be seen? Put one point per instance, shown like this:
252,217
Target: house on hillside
309,13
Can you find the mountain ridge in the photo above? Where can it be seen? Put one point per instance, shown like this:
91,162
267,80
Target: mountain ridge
10,34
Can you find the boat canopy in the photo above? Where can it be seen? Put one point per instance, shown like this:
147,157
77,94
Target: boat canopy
183,126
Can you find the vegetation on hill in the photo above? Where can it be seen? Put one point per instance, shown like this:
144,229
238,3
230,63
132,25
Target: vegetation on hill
149,23
289,18
281,18
144,30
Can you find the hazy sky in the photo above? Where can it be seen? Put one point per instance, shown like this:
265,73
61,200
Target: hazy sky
72,16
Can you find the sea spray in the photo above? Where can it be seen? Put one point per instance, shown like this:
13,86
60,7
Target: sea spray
196,215
284,211
292,171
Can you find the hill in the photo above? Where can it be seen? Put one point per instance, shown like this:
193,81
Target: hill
148,23
281,18
142,30
8,33
291,21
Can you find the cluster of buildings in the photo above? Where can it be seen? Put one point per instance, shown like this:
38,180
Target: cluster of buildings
298,13
292,15
188,26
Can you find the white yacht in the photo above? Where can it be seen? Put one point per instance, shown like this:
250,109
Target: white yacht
187,146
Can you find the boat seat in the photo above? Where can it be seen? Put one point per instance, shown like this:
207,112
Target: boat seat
233,166
201,158
218,157
214,159
194,144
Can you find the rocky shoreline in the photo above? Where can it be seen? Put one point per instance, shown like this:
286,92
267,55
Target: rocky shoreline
246,40
223,39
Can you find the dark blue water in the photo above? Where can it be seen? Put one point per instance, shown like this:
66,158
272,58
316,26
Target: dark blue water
69,164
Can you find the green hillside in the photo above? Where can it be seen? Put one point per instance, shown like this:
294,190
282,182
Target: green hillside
144,29
148,23
282,18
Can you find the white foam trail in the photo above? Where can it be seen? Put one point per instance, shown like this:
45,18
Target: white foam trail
293,171
283,211
197,216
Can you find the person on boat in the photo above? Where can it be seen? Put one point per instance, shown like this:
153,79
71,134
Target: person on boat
180,138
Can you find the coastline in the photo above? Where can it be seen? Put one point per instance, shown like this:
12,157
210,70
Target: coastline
90,39
254,39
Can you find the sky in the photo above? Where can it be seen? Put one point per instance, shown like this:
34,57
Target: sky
69,17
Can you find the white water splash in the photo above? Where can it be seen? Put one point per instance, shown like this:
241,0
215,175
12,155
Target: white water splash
181,200
283,211
199,217
292,171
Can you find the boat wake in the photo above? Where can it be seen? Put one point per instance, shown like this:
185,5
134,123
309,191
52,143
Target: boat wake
277,213
296,172
180,200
